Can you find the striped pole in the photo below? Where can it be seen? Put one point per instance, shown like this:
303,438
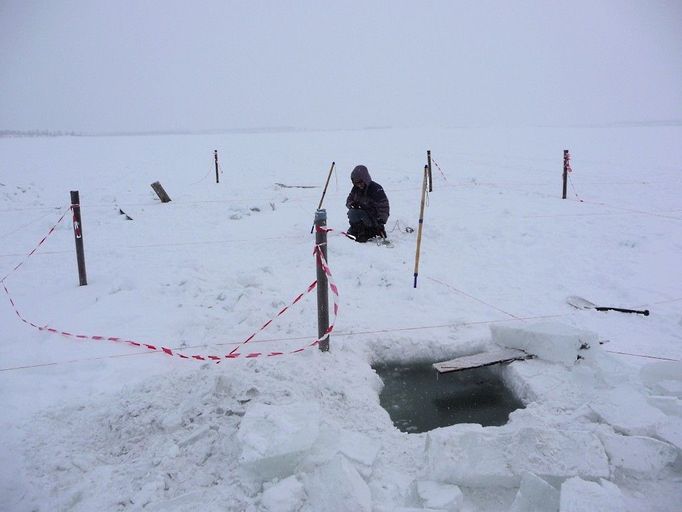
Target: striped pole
421,225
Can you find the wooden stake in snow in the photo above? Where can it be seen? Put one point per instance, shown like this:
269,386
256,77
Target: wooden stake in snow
565,172
322,286
78,235
421,224
217,174
160,192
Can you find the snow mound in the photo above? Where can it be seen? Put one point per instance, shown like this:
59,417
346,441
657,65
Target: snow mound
577,495
160,445
358,448
670,431
472,456
275,438
285,496
638,456
663,378
550,341
667,404
627,411
337,486
535,495
440,496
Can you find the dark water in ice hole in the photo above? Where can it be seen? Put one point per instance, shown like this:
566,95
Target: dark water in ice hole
419,400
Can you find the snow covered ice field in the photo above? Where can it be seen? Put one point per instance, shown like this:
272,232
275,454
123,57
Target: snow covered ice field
98,425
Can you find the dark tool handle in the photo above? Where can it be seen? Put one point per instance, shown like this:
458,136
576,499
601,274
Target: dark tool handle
645,312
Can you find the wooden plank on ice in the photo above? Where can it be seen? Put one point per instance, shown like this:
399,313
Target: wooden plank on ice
483,359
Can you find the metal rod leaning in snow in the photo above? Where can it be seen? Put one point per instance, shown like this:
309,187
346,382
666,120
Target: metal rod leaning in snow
78,235
324,192
421,224
322,286
563,196
215,157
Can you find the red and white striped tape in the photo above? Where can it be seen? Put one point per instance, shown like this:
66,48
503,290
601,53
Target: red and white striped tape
310,288
326,229
171,352
438,167
568,162
36,247
332,287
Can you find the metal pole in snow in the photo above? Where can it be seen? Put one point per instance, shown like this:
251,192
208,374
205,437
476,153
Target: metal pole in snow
322,286
78,234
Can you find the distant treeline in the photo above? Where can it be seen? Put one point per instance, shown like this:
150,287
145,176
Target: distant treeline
263,129
36,133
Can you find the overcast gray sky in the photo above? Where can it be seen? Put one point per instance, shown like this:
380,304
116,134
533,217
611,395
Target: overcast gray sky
135,65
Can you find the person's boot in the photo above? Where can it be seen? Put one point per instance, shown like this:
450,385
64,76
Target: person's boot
354,229
377,232
362,234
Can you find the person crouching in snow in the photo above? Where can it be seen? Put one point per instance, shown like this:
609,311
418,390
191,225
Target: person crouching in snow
367,205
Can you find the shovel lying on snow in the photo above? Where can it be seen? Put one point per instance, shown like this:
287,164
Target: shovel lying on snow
580,303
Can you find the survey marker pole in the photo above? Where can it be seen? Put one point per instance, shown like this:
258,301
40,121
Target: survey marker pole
421,225
322,285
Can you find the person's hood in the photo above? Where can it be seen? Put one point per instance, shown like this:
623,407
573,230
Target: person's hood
361,173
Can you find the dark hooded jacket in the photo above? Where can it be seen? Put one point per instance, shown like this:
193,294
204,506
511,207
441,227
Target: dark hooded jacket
371,199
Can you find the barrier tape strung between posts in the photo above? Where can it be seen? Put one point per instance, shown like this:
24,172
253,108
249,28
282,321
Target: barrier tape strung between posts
326,229
346,334
438,167
21,263
335,295
339,231
312,286
171,352
474,298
